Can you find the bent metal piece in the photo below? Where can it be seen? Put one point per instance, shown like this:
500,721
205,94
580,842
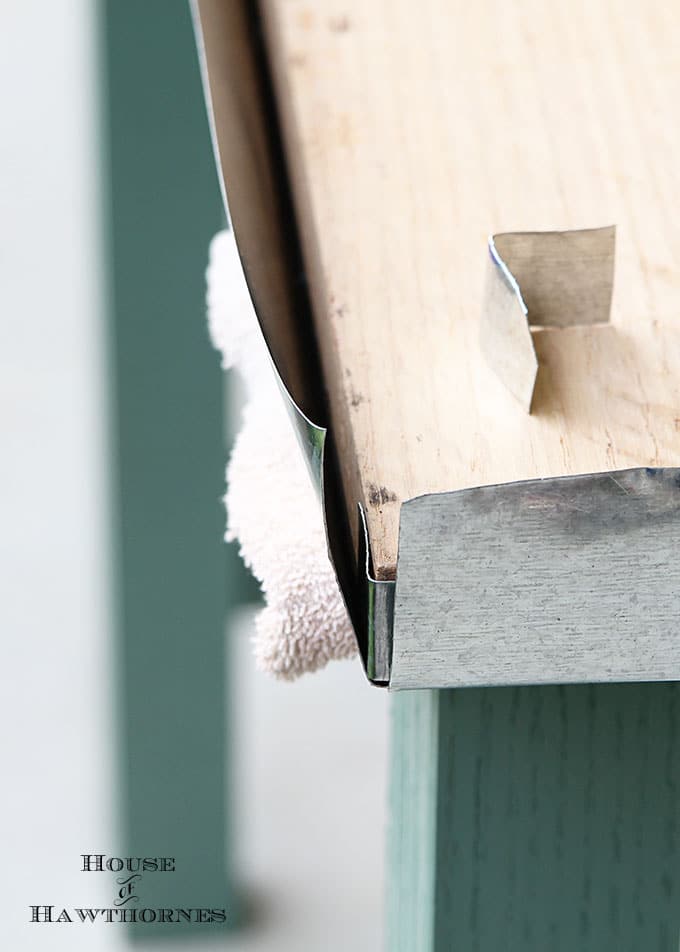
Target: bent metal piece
542,279
572,579
378,609
250,183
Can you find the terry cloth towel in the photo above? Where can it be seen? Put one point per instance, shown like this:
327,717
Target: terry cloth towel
272,507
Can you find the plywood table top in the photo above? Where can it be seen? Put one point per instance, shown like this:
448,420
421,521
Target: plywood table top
413,132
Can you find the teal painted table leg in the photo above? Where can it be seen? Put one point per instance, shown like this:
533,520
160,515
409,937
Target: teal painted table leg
537,818
168,405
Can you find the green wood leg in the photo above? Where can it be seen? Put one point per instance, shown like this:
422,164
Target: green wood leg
173,583
537,818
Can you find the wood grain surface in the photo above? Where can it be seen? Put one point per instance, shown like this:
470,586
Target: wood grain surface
413,131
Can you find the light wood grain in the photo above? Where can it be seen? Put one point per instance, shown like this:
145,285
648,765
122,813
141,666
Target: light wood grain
416,130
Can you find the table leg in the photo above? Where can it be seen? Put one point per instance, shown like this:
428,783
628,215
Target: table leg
535,818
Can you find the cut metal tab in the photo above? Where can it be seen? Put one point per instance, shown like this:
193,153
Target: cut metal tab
542,279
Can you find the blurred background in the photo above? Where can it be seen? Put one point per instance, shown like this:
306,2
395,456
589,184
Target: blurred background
134,723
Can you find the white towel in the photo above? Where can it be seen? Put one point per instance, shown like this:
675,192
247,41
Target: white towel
272,507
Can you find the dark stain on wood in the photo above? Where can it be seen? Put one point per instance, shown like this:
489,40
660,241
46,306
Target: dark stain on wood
379,496
297,60
339,24
337,309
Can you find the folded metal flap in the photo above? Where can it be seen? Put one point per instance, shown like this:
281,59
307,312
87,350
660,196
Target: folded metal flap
571,579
